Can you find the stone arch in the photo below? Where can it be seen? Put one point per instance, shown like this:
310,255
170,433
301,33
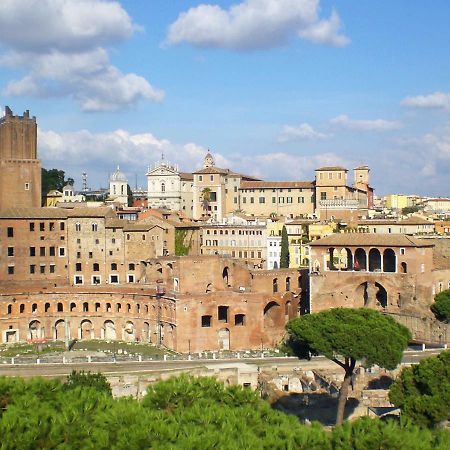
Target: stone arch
362,295
86,329
35,330
109,330
349,259
381,296
404,267
85,307
60,307
34,307
226,276
146,334
9,309
118,307
271,314
389,260
108,307
223,337
374,260
60,329
129,332
72,307
47,307
169,336
360,259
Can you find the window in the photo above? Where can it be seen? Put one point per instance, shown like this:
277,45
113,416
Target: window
32,251
90,255
97,242
113,240
323,196
200,178
222,313
27,186
78,226
78,255
402,251
211,177
206,321
31,226
94,227
61,226
10,232
114,279
78,279
52,268
32,268
62,251
95,267
274,199
10,270
262,200
52,251
301,199
42,268
51,226
239,320
42,251
113,266
288,199
22,308
131,266
96,280
41,226
78,267
10,251
244,200
130,278
252,199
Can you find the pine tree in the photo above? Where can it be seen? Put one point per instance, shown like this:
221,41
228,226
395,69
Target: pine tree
284,257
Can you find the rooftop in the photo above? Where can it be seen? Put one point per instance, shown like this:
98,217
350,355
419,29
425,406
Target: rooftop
370,239
276,184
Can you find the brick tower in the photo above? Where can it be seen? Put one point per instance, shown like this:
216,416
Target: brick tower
20,170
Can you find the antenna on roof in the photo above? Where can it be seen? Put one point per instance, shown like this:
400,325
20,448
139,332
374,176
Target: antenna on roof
84,178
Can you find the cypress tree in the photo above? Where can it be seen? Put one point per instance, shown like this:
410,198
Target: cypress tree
284,257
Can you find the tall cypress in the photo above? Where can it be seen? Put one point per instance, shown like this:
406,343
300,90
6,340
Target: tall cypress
284,257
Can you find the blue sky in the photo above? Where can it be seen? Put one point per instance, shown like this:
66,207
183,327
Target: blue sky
275,88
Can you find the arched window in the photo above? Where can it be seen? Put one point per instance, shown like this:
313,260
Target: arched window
9,309
288,284
34,307
113,266
85,307
22,308
163,187
275,285
95,267
122,189
389,260
72,307
59,307
404,267
47,307
114,189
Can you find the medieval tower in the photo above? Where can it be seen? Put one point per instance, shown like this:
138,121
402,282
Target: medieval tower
20,170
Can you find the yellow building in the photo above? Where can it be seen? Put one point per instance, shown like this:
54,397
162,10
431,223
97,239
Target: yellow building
321,229
396,201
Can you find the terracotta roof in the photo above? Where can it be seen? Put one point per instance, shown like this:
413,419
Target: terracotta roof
302,222
413,220
140,226
370,239
101,211
33,213
186,176
329,168
115,223
213,170
276,184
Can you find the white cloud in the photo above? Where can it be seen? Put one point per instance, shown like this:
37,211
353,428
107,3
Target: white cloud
60,45
256,24
100,153
302,132
435,100
344,121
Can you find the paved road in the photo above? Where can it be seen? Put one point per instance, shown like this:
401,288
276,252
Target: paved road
148,367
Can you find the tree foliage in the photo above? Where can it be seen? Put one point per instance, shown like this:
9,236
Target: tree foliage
181,249
53,179
441,306
185,412
409,210
423,390
96,381
346,335
284,255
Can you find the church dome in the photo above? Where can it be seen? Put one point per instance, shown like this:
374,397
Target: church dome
118,176
208,161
